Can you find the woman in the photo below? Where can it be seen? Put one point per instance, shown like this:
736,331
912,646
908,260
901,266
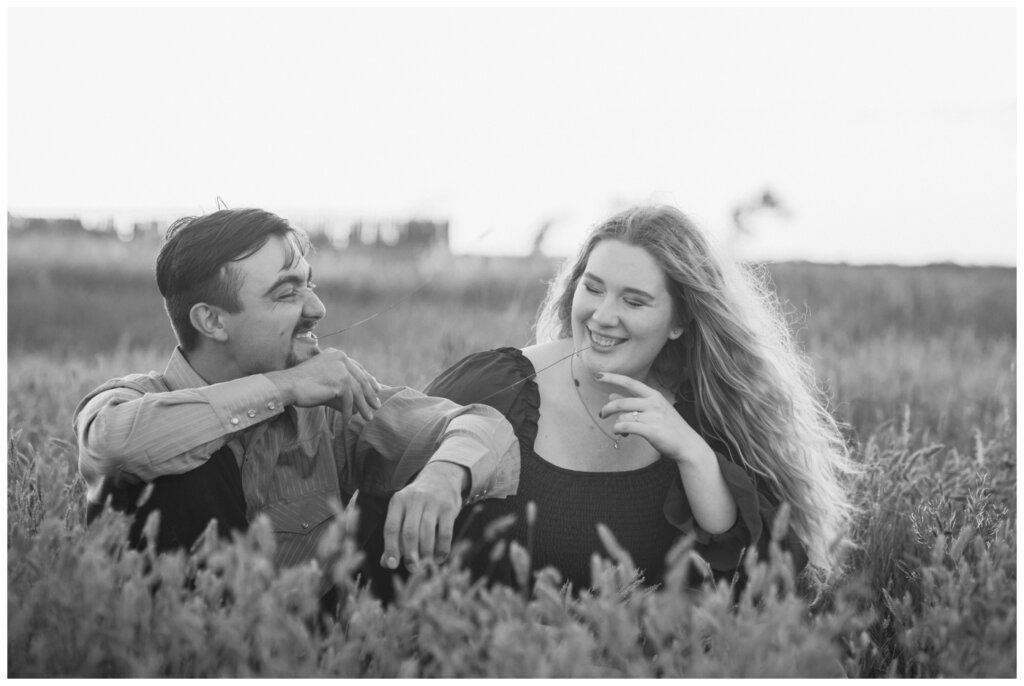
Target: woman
663,397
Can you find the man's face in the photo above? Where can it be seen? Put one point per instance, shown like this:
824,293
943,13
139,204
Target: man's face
273,330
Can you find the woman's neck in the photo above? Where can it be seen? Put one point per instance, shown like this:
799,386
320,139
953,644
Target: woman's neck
570,432
589,387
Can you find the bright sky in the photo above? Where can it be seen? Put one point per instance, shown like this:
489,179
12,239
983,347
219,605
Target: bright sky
889,134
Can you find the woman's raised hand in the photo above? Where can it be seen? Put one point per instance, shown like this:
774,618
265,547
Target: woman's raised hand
644,411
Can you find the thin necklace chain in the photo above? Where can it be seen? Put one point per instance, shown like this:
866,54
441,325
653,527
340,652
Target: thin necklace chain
531,376
576,385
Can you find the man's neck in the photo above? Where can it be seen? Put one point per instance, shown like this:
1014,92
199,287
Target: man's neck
210,367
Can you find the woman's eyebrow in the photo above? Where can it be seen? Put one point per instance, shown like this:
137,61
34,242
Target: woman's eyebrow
628,289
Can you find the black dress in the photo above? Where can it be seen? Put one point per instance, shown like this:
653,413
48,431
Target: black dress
645,509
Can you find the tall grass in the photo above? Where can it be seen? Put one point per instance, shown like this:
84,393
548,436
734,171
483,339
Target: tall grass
920,362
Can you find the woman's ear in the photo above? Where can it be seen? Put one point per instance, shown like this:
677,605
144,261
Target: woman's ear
677,328
208,321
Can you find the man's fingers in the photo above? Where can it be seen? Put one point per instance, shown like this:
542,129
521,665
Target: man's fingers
411,535
368,386
392,530
427,534
346,405
363,407
418,527
445,531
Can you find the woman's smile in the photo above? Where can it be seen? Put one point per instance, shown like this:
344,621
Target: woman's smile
602,342
621,310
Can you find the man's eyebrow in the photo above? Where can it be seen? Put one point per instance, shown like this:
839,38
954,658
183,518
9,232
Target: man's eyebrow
291,279
627,289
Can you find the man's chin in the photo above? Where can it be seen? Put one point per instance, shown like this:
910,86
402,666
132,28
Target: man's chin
294,359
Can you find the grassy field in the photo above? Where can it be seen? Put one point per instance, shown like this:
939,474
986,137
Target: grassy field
919,363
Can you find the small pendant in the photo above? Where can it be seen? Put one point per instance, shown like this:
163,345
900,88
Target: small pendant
616,444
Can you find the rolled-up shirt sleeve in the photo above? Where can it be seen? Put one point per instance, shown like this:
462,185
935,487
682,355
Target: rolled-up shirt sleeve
133,426
411,429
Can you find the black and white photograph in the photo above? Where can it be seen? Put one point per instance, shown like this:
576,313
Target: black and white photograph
563,341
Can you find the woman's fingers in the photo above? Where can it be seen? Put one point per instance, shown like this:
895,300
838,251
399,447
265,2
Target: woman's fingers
624,427
624,405
634,387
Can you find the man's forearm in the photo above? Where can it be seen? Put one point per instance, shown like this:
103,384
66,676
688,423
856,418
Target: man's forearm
482,442
153,434
411,429
456,475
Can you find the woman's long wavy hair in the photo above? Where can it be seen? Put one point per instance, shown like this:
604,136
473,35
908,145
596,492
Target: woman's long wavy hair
752,387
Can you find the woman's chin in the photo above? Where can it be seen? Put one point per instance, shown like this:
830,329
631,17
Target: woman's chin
598,362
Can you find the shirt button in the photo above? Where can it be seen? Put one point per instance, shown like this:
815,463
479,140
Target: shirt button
234,421
271,405
251,413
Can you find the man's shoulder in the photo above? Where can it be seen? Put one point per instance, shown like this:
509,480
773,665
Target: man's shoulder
144,383
152,382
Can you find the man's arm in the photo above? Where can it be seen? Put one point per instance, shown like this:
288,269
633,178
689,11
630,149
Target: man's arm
138,426
135,426
479,457
456,454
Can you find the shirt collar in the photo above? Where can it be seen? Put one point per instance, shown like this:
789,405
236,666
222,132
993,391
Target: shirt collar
179,374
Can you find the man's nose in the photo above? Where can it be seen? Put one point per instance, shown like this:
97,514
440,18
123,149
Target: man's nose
313,307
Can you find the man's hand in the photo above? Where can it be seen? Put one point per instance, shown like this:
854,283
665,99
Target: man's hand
330,378
421,516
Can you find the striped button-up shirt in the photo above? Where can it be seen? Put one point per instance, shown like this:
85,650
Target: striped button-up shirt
294,461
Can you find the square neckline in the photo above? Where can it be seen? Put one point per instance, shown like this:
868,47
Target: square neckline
531,381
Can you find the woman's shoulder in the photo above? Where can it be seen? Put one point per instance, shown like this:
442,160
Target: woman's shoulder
481,376
501,378
542,355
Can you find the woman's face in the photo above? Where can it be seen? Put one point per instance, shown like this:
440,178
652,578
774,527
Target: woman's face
622,311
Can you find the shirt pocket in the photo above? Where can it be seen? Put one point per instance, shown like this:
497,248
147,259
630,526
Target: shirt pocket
298,524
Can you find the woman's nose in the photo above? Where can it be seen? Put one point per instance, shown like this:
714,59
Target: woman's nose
605,312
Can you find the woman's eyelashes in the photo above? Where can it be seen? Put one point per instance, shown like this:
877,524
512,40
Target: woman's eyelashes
635,303
629,301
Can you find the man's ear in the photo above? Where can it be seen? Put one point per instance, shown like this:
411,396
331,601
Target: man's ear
208,320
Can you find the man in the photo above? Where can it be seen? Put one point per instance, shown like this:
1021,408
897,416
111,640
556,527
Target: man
250,417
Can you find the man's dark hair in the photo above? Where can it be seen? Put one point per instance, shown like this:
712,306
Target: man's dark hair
194,264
